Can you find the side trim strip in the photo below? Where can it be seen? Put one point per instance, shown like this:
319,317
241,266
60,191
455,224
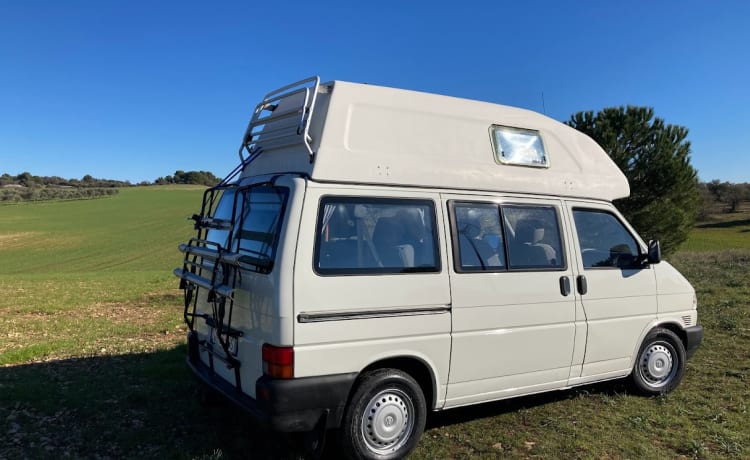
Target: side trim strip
367,314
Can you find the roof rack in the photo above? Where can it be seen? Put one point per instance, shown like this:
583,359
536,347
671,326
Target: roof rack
282,119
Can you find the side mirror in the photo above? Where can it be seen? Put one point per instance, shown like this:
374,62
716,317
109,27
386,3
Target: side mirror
654,252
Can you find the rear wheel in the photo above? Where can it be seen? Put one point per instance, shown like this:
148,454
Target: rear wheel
660,363
385,417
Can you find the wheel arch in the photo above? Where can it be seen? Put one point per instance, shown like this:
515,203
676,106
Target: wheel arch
676,328
672,325
418,368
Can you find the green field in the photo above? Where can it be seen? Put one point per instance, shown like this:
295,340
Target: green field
722,231
92,353
75,274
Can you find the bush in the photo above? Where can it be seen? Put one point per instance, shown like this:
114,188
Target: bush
38,193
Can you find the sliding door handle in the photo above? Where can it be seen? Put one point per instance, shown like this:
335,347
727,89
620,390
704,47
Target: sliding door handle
565,286
582,285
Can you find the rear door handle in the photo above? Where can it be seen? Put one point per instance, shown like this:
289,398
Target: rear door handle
565,286
582,285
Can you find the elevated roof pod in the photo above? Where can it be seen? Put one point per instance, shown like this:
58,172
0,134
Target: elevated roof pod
356,133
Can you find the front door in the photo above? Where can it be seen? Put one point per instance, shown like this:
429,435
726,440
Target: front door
617,291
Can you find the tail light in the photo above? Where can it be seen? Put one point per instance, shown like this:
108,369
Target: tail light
278,362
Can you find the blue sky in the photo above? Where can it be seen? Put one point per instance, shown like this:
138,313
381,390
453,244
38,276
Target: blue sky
136,90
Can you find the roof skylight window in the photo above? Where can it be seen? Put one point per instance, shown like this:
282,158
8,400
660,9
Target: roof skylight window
516,146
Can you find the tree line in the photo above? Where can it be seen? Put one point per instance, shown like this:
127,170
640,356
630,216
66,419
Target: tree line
28,187
27,179
13,195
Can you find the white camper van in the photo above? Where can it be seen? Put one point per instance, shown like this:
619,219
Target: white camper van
380,253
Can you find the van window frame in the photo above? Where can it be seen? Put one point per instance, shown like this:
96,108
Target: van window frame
458,268
369,271
456,243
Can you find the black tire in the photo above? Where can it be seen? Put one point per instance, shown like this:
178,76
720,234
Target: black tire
660,363
385,417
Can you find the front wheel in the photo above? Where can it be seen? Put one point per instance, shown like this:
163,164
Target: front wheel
385,417
660,363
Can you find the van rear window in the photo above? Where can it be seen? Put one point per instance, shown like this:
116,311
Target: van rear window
358,236
258,211
223,213
260,224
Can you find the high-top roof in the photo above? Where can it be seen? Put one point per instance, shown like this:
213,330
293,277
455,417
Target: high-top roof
367,134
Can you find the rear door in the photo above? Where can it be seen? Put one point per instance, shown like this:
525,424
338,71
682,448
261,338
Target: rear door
250,221
514,311
617,292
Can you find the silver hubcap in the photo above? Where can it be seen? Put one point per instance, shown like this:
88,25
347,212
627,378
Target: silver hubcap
656,365
387,421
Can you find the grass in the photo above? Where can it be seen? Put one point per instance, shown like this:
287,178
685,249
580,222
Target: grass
92,354
720,231
79,277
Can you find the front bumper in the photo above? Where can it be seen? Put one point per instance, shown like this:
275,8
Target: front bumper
693,339
293,405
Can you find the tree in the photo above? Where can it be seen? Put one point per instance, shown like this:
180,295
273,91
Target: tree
655,157
707,200
194,177
25,179
728,193
6,179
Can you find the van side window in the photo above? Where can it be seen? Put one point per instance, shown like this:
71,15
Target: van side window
357,236
604,240
480,237
489,237
533,234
